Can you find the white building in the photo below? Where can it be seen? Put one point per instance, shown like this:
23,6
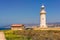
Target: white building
43,17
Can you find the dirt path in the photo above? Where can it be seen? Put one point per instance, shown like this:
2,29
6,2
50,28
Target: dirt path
2,36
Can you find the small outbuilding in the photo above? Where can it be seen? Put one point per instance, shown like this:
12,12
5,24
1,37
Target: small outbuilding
17,27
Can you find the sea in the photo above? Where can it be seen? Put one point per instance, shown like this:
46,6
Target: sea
5,28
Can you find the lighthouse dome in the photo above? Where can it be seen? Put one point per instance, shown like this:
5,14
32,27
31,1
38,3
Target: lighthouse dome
42,6
43,9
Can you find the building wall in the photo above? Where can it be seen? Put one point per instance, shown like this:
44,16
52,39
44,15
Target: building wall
43,20
17,28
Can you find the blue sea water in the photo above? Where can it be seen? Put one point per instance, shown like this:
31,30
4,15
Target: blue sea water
5,28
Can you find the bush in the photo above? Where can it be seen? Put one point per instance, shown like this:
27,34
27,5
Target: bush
32,35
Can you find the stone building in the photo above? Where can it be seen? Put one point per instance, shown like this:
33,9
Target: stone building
17,27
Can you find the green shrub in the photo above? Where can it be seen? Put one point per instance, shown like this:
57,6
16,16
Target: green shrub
32,35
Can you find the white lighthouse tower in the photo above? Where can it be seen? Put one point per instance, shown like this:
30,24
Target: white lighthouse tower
43,17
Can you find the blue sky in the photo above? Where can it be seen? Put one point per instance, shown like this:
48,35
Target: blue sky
28,11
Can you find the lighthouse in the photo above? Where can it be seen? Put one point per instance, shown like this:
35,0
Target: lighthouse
43,17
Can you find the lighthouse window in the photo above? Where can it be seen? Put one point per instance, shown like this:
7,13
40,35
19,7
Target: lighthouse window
42,18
